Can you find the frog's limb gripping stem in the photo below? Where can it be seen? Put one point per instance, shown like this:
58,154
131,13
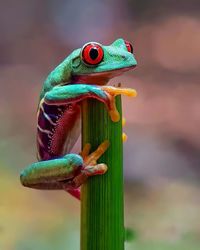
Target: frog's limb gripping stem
119,91
111,93
90,164
93,157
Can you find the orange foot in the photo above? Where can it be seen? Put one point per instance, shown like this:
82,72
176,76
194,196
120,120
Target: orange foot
90,163
112,92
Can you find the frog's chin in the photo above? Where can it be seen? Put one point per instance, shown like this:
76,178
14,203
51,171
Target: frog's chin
99,78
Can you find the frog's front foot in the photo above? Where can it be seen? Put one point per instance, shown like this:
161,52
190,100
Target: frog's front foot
124,136
90,167
111,93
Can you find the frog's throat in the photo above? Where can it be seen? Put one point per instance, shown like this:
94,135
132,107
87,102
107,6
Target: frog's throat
99,78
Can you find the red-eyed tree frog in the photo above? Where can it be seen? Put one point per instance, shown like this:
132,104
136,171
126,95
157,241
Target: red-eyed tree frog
83,74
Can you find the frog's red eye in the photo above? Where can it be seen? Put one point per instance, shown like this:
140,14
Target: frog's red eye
129,47
92,53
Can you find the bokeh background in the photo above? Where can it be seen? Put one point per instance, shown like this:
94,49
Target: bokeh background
162,154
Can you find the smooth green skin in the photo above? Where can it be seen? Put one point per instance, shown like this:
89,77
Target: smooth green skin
116,57
57,88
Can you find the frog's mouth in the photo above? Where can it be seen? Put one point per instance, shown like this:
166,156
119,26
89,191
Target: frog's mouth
99,78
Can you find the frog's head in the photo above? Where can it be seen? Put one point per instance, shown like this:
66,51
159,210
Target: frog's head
97,64
92,64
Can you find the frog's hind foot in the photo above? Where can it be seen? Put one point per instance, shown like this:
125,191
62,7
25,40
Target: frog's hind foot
90,164
91,159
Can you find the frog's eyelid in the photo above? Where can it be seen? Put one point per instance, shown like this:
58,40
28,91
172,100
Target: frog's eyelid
91,43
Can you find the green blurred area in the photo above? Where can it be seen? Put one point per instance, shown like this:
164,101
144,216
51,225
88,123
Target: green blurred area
162,154
167,218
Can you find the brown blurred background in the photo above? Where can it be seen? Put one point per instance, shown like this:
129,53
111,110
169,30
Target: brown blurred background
162,154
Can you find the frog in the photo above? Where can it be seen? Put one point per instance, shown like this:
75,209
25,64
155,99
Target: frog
81,75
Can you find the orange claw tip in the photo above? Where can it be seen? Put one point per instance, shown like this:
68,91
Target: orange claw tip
95,170
115,117
131,92
102,168
124,137
105,144
123,122
85,151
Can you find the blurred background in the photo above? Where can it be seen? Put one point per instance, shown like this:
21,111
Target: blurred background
162,154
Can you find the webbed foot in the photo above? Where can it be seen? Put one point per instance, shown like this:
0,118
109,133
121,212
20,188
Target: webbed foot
111,93
91,167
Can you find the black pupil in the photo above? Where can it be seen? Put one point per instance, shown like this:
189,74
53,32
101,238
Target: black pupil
94,53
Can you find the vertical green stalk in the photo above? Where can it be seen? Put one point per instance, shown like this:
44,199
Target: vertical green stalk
102,206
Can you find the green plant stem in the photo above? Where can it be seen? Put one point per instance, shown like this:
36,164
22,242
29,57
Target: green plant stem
102,206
